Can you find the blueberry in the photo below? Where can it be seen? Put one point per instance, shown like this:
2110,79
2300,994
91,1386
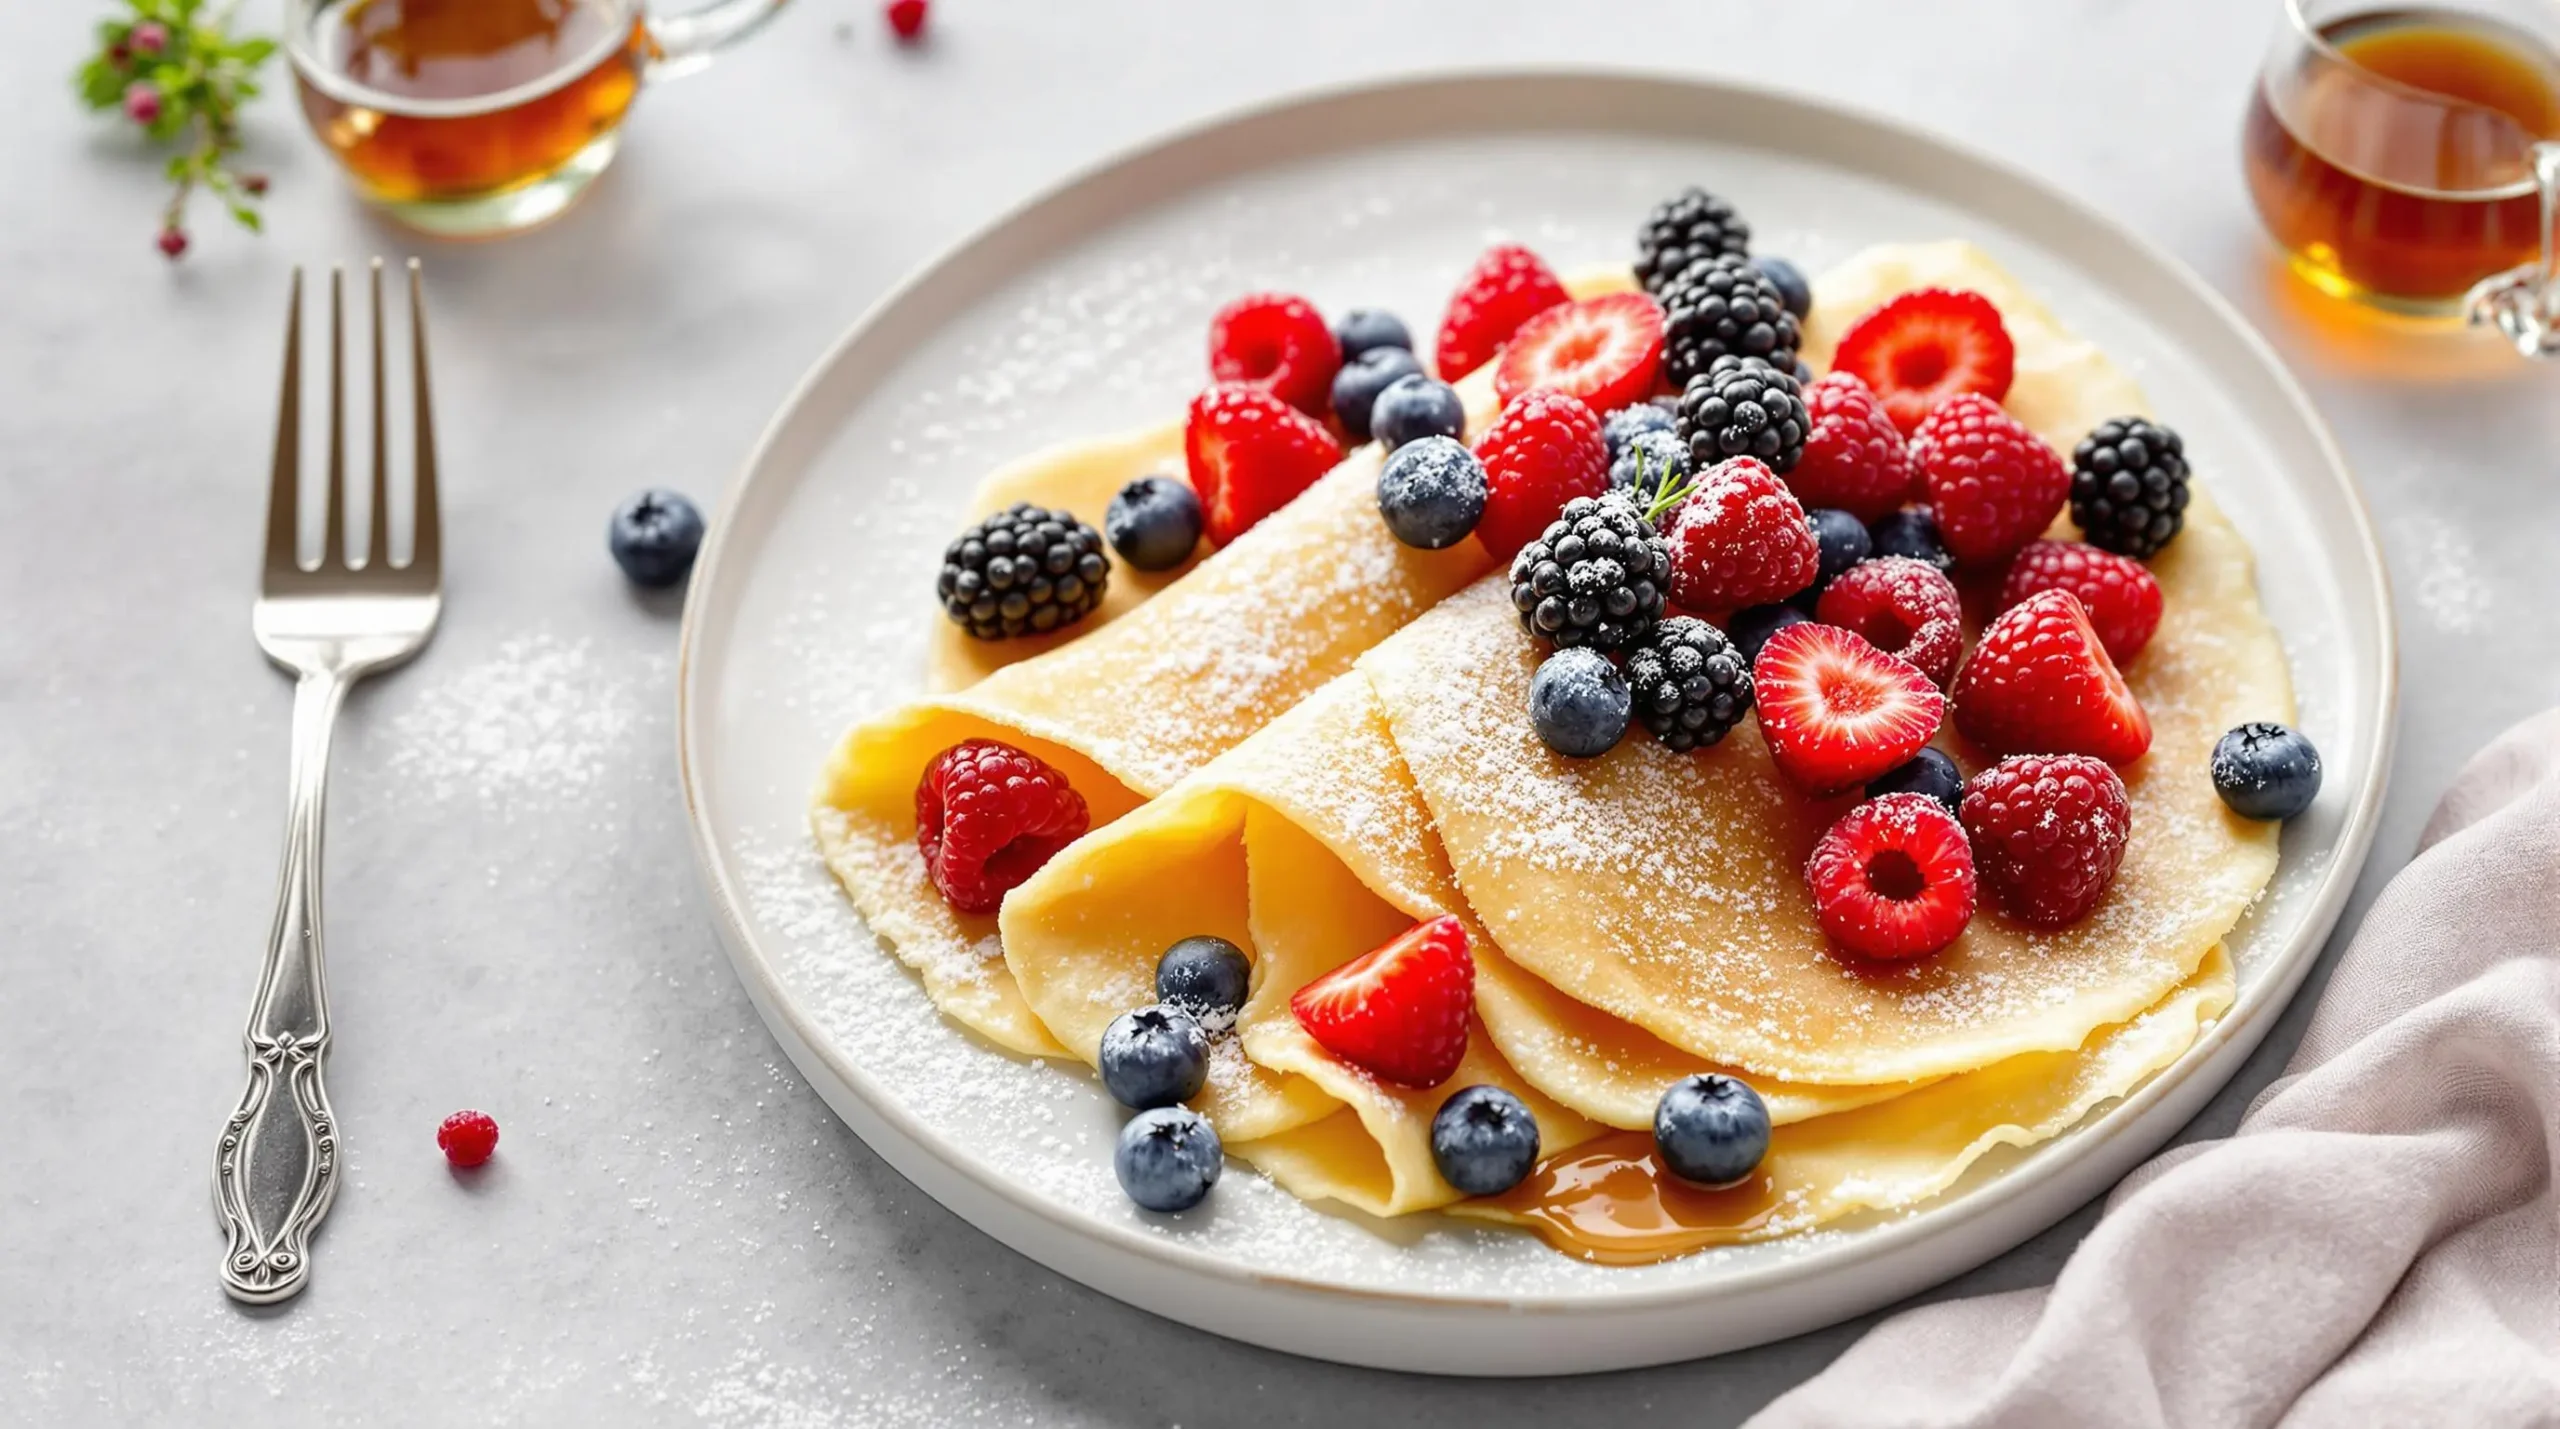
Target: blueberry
1912,533
1357,385
1432,492
1844,542
1153,1057
1153,522
1651,461
1368,329
1415,407
1168,1158
1928,772
1628,423
1751,629
2266,771
1205,979
654,536
1579,702
1484,1140
1711,1129
1788,279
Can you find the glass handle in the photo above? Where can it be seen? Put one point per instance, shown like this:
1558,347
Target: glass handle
686,42
2524,302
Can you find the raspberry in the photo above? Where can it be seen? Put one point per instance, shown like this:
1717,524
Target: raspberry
1249,454
1854,457
1903,607
1993,484
2120,594
906,18
1740,539
1894,878
987,816
2040,683
467,1138
1543,451
2048,833
1277,342
1508,286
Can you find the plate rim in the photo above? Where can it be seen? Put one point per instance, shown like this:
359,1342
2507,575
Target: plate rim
2252,1013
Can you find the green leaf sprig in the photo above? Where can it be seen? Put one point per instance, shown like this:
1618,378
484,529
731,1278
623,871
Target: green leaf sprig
176,71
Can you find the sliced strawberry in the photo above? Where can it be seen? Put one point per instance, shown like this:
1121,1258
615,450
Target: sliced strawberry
1508,286
2040,682
1836,710
1400,1012
1280,342
1606,351
1250,454
1543,451
2119,592
1894,878
1925,346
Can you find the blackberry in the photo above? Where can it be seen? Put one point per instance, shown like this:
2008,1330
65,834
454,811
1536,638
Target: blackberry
1025,570
1595,578
1691,686
1742,406
1682,229
1720,307
2129,486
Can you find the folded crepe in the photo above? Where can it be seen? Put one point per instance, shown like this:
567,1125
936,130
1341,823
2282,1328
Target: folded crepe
1152,686
1641,916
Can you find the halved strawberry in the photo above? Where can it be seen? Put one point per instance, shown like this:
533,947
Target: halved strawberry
1508,286
2041,683
1606,351
1836,710
1894,878
1927,345
1399,1012
1250,454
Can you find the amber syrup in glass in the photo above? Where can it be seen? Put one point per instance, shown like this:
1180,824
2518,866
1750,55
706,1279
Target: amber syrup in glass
2461,204
471,97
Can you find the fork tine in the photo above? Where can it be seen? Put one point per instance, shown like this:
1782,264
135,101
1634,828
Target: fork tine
377,545
427,550
284,488
333,528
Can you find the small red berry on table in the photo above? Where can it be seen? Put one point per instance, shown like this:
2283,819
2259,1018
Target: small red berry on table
906,17
467,1138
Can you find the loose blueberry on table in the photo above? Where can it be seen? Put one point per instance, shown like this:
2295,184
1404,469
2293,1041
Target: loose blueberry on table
1484,1140
1711,1130
654,537
1168,1158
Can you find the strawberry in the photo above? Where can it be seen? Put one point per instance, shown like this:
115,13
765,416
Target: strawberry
1279,342
1925,346
1854,458
1606,351
1543,451
1836,710
2048,833
1250,454
1903,607
1893,878
1399,1012
1508,286
1993,485
2040,682
1740,539
2119,592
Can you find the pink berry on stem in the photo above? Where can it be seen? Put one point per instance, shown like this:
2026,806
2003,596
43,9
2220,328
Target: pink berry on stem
119,54
142,102
256,184
150,37
173,241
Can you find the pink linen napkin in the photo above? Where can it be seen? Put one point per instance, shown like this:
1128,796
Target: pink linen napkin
2378,1244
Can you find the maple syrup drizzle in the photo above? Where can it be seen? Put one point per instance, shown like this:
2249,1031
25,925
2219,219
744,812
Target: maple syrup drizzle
1610,1201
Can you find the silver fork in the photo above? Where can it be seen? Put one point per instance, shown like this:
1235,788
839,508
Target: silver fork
332,624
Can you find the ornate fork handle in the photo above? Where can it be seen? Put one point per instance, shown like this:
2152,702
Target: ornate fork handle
277,1169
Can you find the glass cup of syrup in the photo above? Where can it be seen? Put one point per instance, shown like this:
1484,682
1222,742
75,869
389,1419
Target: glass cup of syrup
473,118
2409,158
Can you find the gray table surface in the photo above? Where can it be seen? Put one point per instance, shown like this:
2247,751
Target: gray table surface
676,1230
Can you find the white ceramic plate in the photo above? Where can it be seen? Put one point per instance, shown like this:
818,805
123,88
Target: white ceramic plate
1082,313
